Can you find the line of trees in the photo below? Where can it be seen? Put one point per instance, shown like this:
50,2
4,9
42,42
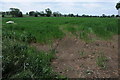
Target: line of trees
15,12
48,13
58,14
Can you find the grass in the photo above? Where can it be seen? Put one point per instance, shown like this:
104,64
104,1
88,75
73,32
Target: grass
20,60
101,60
102,27
82,53
46,29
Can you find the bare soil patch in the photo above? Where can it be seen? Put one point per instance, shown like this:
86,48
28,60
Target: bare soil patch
76,58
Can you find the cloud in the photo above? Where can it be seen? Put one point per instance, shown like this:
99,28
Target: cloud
60,0
92,8
91,5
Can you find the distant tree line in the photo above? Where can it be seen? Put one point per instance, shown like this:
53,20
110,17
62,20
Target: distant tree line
15,12
48,13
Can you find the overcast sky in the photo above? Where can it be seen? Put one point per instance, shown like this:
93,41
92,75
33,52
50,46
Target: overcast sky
90,7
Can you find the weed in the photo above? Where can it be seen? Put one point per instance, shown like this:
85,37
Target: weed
82,53
101,60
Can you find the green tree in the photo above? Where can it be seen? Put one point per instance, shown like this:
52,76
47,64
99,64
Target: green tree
56,14
3,14
41,13
31,13
48,12
77,15
15,12
118,5
103,15
36,15
71,15
7,12
113,15
20,14
27,13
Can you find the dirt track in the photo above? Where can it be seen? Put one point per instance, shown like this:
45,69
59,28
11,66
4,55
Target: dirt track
76,58
72,64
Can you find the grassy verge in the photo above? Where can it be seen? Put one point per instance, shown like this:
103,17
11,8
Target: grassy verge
22,61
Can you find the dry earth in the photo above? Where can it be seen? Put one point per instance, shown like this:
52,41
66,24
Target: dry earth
76,58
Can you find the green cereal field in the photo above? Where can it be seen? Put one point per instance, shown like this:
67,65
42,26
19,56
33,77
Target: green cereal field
60,47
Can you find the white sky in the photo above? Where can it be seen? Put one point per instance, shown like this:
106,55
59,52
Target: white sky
60,0
90,7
